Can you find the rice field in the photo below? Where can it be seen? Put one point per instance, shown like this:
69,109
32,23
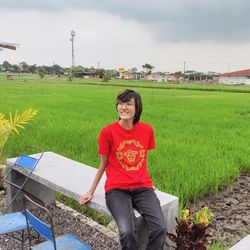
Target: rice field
202,137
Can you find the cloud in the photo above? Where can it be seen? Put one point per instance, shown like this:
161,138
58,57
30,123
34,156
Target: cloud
100,37
126,34
169,21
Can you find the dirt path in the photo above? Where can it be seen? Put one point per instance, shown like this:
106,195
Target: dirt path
231,209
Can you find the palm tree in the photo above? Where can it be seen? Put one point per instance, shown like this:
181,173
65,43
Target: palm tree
10,126
148,67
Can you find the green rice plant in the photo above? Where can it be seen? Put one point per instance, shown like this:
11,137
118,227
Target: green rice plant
201,136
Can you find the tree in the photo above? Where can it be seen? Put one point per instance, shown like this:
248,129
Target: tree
57,70
47,70
32,68
100,72
106,76
41,72
7,66
148,67
178,74
24,67
15,68
133,70
69,73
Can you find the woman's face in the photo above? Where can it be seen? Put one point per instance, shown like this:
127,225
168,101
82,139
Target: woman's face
126,110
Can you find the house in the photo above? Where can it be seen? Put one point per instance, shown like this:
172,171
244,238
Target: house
172,78
236,77
128,75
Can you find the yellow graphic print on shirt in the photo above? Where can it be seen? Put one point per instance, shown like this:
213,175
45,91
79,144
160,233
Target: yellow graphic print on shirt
130,155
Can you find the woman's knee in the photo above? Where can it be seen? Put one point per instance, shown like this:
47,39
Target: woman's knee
126,233
159,229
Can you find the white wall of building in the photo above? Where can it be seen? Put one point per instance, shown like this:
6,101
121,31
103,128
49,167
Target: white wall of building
234,80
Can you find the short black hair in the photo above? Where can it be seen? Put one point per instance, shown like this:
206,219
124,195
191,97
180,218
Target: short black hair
125,96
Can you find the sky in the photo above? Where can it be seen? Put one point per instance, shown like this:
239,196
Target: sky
201,35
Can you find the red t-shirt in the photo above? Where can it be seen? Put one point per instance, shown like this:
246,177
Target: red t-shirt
127,155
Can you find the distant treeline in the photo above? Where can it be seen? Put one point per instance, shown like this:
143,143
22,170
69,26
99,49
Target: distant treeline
55,69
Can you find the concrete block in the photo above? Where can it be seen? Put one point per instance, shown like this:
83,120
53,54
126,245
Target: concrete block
243,244
2,174
46,194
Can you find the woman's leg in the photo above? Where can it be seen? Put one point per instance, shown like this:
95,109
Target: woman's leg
147,204
119,203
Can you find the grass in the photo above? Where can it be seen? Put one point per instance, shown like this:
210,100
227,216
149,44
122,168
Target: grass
217,246
202,137
98,217
202,131
134,83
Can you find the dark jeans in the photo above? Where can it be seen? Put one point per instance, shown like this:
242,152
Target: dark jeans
144,200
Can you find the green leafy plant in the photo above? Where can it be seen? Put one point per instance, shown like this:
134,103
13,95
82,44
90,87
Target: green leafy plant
106,76
191,232
11,126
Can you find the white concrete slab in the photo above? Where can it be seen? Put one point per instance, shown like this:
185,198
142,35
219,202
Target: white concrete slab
58,173
243,244
74,179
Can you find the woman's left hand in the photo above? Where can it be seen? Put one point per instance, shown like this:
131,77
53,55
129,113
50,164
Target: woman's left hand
84,199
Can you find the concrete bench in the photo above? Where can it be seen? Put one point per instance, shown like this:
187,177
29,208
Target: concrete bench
243,244
2,174
56,173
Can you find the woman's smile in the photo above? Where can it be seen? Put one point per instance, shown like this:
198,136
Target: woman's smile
126,110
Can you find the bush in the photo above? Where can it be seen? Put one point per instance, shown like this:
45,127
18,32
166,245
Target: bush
191,232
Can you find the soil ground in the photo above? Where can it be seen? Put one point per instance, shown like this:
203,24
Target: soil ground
231,209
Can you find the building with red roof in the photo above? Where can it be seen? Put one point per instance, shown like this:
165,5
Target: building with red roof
236,77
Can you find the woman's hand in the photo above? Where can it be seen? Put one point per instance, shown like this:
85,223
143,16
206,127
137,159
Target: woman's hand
84,199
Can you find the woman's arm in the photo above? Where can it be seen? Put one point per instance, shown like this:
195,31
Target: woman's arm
88,196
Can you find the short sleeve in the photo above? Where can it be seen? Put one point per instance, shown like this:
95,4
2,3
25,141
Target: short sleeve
151,144
103,142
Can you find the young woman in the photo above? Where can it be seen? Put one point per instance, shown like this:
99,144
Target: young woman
123,147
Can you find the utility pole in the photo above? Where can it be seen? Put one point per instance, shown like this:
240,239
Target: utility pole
98,72
73,34
184,70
